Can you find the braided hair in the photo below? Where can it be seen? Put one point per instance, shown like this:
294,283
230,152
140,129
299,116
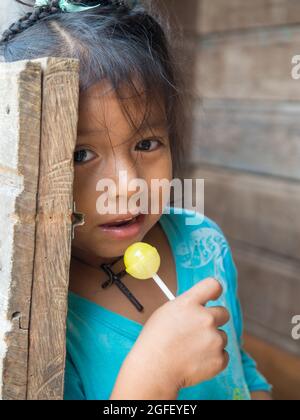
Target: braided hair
29,19
41,12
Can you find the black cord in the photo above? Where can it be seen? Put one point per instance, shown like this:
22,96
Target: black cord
115,278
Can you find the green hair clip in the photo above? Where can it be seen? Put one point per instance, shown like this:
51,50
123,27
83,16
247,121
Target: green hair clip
65,6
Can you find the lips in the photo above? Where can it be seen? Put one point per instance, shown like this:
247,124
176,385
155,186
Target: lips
123,229
121,222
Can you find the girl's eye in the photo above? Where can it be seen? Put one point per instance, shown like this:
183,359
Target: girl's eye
148,145
82,156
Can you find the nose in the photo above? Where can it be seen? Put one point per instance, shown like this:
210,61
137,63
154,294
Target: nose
119,184
125,170
128,183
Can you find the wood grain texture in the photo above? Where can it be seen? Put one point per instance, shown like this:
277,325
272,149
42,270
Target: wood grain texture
232,15
246,145
257,210
205,17
256,136
20,112
183,16
280,368
269,289
53,233
248,65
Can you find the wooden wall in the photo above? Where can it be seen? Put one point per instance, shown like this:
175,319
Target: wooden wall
245,131
36,208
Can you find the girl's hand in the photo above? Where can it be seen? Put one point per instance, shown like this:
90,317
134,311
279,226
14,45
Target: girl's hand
181,342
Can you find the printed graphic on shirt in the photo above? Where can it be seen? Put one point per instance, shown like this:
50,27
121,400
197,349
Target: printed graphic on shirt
205,249
201,248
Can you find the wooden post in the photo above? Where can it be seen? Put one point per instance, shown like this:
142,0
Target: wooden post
38,126
20,108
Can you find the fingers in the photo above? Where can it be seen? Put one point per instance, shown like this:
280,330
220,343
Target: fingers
205,291
220,314
224,338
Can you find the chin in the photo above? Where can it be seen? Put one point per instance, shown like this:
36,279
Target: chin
113,249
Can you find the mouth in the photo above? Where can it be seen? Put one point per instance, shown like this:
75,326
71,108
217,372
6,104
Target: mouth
122,222
124,228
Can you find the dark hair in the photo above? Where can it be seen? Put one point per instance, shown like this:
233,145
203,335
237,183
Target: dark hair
117,41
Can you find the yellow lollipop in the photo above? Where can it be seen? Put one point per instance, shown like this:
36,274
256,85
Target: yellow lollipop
142,261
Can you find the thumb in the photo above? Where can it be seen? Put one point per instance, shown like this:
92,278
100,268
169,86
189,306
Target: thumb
204,291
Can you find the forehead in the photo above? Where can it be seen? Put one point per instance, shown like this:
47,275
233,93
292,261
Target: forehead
101,108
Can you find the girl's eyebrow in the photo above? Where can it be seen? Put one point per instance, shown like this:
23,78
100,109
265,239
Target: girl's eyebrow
156,123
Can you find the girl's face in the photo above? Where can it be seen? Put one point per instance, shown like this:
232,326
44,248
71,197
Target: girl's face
106,145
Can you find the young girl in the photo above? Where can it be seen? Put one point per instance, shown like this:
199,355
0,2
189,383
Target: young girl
131,119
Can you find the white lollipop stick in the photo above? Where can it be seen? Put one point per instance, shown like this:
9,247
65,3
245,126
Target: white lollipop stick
163,287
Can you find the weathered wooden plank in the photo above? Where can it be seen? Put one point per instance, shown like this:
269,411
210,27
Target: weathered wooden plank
228,15
255,136
280,368
205,16
20,109
250,65
53,232
269,289
183,17
257,210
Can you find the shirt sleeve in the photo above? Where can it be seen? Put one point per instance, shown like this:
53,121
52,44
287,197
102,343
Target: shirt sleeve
73,387
255,380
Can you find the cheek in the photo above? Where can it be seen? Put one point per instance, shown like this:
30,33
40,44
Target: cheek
161,168
169,165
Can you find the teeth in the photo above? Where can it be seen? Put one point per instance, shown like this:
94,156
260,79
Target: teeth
125,220
121,222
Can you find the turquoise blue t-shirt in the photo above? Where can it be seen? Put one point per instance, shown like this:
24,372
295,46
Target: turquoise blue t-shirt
98,340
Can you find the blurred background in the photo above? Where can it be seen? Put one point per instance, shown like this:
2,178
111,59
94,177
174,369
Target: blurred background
245,142
244,127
